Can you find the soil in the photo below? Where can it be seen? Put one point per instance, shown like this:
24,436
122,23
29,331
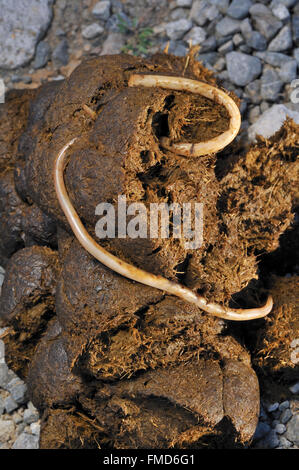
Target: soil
110,362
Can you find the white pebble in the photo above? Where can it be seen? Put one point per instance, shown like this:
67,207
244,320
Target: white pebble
294,388
280,428
273,407
35,429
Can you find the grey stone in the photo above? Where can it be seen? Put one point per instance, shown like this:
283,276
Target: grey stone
226,47
26,441
271,86
273,407
261,431
1,406
286,3
42,55
285,444
271,440
222,5
276,414
239,8
180,50
294,388
61,53
10,404
286,414
7,430
220,64
31,416
242,68
280,428
271,121
114,21
281,12
254,114
253,91
283,41
35,428
60,32
20,428
238,39
18,390
277,59
198,12
176,29
28,20
263,415
295,27
246,27
208,58
2,352
264,106
209,45
223,75
184,3
257,41
292,433
92,31
288,71
264,21
113,44
212,13
227,26
178,14
4,377
101,10
2,275
284,405
223,39
17,417
296,55
197,35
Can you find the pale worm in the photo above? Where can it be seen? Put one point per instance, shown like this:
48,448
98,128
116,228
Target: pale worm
200,88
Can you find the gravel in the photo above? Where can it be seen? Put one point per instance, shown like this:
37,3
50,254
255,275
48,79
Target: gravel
176,29
288,72
271,121
292,433
26,441
264,21
92,31
197,35
282,41
271,85
42,55
239,8
242,68
295,388
101,10
29,20
61,53
227,26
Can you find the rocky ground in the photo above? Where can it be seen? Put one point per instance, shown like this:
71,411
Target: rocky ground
253,48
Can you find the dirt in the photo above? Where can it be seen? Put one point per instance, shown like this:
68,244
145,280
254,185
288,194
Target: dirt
110,362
